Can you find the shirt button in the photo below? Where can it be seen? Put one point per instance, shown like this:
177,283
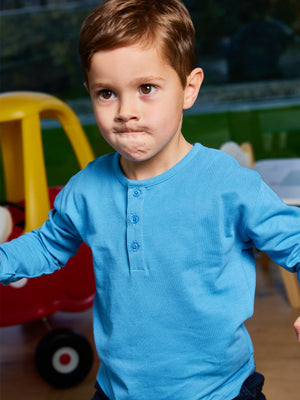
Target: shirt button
136,192
135,246
134,219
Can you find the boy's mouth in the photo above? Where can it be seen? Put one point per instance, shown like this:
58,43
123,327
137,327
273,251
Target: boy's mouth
127,130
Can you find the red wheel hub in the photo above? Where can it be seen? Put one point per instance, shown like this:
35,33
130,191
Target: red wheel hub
65,359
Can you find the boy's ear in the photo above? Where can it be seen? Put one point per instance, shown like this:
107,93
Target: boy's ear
85,84
193,84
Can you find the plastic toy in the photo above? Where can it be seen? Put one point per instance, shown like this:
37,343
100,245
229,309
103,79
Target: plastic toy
63,357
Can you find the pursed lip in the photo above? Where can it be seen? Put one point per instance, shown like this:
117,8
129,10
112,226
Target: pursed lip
128,130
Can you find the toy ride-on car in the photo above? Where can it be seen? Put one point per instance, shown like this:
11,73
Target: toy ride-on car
63,357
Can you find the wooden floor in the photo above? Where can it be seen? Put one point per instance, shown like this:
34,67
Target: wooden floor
276,348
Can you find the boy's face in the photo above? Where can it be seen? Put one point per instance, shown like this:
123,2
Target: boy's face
138,101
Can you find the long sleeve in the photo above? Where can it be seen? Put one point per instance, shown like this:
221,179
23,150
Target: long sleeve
41,251
275,229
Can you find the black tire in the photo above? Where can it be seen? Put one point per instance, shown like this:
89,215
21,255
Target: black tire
63,358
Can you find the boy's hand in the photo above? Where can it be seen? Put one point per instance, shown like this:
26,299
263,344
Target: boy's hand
297,328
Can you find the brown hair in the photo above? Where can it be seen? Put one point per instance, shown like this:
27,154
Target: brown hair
118,23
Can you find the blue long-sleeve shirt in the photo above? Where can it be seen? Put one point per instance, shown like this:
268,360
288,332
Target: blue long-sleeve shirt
174,269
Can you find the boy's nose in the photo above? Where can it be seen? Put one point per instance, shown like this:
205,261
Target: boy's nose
127,110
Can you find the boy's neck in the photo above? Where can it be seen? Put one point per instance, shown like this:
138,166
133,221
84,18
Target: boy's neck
140,170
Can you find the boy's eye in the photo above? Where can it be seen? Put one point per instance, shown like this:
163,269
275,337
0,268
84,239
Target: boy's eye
106,94
147,89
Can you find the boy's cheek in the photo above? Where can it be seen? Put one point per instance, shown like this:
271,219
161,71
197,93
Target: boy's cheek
102,117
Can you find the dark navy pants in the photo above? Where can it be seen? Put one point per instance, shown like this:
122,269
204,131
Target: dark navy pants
251,389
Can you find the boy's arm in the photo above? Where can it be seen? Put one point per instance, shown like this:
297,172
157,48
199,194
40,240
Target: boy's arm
273,228
297,328
46,249
39,252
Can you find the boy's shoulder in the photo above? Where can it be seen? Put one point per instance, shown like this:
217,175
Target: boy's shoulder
220,162
101,162
95,172
225,173
99,167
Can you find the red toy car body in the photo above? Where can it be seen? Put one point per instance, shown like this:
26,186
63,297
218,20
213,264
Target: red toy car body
71,288
63,357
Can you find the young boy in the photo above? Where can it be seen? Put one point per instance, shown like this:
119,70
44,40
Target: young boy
171,226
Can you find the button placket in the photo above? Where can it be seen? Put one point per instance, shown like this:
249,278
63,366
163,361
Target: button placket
135,200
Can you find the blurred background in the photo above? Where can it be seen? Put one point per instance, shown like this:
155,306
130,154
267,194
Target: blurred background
249,51
39,42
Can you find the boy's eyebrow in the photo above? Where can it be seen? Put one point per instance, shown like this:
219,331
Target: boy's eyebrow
135,81
149,78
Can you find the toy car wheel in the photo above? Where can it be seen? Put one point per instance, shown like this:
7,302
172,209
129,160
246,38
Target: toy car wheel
63,358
